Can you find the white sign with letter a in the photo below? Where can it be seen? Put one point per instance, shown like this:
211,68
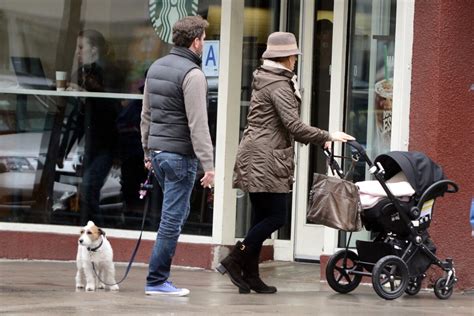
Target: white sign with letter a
210,58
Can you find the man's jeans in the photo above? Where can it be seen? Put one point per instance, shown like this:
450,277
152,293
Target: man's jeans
176,174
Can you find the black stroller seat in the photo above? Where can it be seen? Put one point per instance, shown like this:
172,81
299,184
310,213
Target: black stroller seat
428,182
384,218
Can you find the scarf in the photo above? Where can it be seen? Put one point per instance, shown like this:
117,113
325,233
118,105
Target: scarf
294,80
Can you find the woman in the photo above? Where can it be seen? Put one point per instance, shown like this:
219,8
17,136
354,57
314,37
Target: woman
96,72
265,160
93,119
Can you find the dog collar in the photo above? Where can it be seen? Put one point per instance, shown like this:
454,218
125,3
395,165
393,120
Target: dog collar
95,249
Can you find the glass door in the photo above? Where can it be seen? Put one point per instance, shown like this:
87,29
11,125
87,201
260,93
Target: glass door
369,81
309,238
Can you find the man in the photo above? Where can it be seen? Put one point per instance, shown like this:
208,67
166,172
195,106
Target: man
175,135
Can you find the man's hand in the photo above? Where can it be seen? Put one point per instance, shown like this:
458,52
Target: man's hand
208,180
147,162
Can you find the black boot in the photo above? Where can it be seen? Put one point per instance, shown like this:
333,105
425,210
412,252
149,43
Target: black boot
251,275
233,264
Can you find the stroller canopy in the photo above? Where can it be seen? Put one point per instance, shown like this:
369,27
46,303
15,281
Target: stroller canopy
420,170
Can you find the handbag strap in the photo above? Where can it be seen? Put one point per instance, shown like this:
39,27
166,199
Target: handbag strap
349,176
331,163
334,167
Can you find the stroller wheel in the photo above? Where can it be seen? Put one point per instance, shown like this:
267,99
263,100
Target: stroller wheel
442,291
414,286
338,271
390,277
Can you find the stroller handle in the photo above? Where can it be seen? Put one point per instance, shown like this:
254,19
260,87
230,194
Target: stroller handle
354,144
452,187
438,189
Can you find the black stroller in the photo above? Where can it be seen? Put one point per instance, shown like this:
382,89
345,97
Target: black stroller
402,251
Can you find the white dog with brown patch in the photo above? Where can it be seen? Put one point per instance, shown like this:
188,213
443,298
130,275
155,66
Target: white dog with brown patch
93,247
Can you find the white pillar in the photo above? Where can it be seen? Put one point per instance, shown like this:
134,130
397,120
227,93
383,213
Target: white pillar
402,74
336,103
228,114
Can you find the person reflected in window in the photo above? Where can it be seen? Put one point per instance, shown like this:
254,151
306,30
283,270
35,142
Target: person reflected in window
264,164
93,120
131,156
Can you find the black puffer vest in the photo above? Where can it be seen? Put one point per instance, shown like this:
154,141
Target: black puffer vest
169,130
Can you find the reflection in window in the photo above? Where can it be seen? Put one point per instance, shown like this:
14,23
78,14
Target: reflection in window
64,160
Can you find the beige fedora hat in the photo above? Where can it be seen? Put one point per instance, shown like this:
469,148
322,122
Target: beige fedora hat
281,44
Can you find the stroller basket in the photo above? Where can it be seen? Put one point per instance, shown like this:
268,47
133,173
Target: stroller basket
372,251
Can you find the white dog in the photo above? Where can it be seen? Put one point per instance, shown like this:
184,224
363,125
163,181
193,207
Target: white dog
93,247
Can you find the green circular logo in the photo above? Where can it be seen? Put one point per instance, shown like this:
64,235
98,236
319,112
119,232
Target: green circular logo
165,13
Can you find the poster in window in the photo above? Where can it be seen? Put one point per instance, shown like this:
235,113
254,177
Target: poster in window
383,95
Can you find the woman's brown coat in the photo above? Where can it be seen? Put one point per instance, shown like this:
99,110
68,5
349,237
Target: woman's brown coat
265,159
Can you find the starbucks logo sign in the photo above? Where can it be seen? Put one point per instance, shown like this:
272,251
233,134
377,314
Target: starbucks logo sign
165,13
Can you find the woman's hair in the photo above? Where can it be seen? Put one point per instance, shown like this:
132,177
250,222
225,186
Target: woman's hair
279,59
96,39
187,29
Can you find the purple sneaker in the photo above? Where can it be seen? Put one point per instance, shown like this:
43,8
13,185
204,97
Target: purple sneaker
167,288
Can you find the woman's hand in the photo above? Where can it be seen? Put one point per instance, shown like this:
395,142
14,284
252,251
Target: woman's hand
338,137
73,87
341,137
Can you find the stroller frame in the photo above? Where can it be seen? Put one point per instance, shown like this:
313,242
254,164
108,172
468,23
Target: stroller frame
390,273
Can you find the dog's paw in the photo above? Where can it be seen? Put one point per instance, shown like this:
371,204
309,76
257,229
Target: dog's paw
90,288
79,286
114,288
101,286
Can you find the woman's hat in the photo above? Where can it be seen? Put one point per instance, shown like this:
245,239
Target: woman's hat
281,44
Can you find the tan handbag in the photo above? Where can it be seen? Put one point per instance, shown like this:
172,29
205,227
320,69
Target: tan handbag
335,203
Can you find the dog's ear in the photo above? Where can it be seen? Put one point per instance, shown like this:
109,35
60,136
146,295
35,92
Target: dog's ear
101,231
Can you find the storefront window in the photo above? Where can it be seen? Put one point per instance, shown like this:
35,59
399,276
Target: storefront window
69,156
368,112
261,17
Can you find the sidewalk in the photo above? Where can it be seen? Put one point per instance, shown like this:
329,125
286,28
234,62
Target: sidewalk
44,287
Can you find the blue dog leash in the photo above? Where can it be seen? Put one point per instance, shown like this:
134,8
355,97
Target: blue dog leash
145,187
